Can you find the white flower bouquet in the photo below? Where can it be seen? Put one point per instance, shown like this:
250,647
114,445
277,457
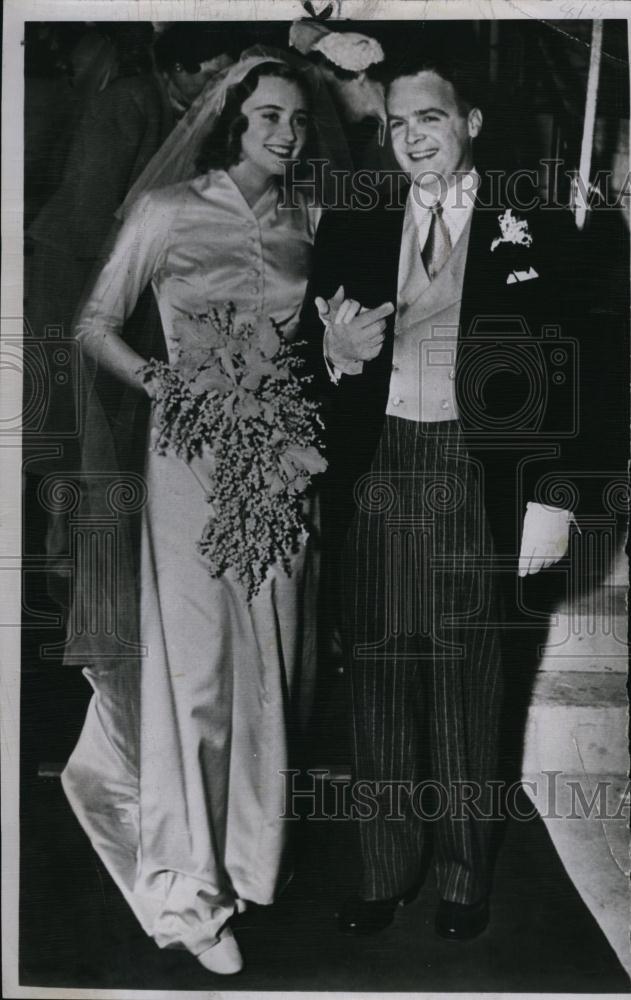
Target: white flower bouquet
238,390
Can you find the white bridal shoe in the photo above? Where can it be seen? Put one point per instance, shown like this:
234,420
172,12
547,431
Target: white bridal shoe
224,957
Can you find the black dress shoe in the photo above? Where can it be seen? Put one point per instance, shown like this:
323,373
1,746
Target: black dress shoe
461,921
367,916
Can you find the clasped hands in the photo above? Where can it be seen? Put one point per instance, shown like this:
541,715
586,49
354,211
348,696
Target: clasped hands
353,334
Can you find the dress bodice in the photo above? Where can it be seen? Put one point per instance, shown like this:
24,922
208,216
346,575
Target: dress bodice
200,245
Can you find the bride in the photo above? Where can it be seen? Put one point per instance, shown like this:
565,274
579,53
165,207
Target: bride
177,775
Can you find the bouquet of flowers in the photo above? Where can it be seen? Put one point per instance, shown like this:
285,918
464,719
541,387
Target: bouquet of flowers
235,395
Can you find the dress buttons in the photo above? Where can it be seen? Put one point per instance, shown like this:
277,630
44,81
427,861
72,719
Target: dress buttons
253,272
397,401
254,289
444,404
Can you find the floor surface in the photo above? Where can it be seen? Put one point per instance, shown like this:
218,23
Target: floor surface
76,930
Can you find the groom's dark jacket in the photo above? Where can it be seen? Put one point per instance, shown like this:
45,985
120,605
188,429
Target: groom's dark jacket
522,382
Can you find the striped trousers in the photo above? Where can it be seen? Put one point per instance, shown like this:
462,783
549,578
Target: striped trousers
421,632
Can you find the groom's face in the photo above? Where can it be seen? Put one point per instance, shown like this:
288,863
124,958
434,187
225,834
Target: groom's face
431,134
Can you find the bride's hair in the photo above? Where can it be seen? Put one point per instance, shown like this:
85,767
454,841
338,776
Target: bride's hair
222,147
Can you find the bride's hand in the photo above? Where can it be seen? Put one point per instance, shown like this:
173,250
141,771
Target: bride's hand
150,386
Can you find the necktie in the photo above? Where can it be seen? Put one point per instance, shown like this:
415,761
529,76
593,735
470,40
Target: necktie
438,243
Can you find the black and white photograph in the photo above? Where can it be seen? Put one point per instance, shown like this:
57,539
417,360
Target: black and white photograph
314,497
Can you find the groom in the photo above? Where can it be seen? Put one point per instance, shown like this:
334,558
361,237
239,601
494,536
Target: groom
449,427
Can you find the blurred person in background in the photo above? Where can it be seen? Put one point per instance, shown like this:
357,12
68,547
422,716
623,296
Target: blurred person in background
120,118
124,118
52,105
187,56
123,122
350,64
125,111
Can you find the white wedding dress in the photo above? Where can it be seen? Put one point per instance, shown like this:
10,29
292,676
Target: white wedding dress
177,776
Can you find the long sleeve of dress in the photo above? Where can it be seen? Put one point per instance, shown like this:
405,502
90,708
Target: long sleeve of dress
128,270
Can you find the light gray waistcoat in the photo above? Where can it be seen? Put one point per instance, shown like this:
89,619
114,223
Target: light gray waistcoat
426,331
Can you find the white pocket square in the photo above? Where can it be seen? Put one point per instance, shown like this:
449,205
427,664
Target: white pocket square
515,276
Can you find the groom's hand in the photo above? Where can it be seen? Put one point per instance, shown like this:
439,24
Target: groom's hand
354,334
545,538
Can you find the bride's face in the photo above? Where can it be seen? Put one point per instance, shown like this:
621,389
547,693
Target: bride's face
277,125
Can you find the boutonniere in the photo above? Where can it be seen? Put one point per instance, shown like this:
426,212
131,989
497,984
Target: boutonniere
513,231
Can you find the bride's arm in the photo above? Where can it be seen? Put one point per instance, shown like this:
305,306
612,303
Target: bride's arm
108,349
126,273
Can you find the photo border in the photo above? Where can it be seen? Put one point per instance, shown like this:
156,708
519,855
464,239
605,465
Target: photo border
16,13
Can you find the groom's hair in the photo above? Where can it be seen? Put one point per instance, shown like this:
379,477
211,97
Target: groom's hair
464,70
